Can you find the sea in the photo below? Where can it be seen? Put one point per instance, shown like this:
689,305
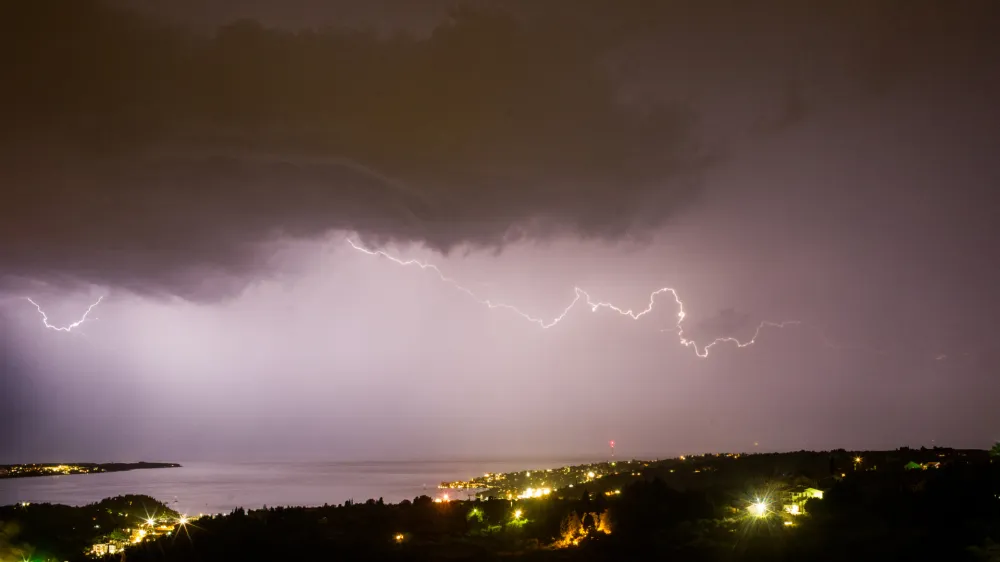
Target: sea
209,488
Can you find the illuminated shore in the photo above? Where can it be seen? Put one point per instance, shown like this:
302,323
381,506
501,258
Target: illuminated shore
55,469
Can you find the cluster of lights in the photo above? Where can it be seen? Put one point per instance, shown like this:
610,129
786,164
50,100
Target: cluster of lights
534,493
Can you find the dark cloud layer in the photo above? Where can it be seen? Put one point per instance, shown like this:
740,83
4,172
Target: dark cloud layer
147,157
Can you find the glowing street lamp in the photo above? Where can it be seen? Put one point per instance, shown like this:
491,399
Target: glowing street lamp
758,509
517,514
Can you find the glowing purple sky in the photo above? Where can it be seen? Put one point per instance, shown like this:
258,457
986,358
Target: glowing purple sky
862,207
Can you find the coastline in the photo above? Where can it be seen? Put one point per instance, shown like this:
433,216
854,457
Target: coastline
38,470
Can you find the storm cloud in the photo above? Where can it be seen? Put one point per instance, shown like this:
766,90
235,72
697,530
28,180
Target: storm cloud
140,155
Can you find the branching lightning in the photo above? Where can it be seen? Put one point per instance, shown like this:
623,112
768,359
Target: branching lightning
582,296
68,327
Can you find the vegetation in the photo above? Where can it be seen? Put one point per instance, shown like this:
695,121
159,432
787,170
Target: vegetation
995,451
60,532
699,509
950,513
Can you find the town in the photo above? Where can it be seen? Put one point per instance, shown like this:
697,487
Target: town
54,469
698,471
106,527
711,506
163,524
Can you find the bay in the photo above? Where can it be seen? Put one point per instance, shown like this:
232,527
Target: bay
205,487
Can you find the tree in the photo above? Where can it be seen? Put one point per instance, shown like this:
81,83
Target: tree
604,522
571,529
9,549
995,451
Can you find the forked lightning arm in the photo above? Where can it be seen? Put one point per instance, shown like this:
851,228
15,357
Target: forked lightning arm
579,296
583,296
68,327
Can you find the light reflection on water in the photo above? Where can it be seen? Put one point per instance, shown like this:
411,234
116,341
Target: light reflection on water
202,487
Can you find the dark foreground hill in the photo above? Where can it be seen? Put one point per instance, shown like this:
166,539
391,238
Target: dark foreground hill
947,509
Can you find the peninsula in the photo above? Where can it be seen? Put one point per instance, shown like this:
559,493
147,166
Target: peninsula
54,469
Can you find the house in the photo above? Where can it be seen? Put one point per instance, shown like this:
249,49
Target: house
923,466
103,549
796,498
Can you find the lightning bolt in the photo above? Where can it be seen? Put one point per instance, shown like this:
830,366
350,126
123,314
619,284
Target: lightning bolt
69,327
583,297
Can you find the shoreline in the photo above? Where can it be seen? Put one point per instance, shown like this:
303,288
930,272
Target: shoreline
39,470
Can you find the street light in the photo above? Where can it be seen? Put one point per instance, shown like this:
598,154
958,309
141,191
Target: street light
758,509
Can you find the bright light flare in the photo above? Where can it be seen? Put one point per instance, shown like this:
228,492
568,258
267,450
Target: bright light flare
534,493
583,296
68,327
518,513
758,509
183,520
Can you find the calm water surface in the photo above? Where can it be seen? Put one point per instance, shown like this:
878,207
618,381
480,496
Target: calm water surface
200,487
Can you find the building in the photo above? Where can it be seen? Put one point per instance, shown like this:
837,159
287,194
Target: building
922,466
795,499
103,549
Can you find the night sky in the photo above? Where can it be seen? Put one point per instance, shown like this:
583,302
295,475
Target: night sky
202,165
